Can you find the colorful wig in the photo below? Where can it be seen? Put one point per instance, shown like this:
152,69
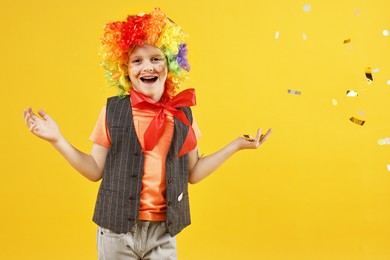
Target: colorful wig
157,29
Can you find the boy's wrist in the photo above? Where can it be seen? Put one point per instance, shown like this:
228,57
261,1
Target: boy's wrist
236,145
57,142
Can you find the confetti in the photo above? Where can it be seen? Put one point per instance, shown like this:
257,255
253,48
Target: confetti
388,82
376,70
304,36
384,141
307,8
277,35
385,32
357,11
360,112
357,121
248,138
180,197
347,41
294,92
388,167
351,93
334,102
369,75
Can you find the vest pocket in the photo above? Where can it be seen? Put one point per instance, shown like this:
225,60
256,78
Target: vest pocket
118,128
108,192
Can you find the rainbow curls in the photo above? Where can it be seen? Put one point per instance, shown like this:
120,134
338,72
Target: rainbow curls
156,29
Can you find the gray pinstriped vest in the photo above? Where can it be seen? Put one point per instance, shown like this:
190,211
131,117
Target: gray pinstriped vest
118,199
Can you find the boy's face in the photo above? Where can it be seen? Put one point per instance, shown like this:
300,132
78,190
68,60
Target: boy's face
148,71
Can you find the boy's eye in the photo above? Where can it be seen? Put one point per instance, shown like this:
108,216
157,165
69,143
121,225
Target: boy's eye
157,59
136,61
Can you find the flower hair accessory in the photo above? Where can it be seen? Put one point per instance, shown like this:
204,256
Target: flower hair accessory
157,29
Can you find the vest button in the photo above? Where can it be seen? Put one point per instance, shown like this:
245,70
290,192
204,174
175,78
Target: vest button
130,219
169,159
131,198
169,223
169,203
170,181
137,154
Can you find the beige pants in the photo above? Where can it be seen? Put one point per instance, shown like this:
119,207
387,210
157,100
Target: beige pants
146,240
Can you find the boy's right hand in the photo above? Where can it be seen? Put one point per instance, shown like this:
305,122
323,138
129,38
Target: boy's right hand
44,127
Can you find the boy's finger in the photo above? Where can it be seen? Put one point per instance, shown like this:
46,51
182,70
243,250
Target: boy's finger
268,132
33,127
25,115
43,114
28,120
258,135
265,137
30,111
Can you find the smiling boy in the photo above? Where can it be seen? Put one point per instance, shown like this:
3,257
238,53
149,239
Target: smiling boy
144,144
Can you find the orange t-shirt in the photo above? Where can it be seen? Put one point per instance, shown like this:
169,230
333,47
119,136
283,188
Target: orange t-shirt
152,204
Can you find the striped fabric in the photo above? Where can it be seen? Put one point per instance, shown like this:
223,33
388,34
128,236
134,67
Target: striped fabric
118,199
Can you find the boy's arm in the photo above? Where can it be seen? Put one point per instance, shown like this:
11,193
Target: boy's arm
202,167
90,165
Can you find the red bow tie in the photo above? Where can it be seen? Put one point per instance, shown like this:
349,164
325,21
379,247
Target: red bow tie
155,129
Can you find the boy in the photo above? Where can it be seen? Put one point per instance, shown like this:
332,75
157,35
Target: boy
144,146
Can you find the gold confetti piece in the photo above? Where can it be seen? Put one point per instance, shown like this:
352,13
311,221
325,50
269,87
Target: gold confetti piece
357,121
247,137
357,11
347,41
385,32
369,75
334,102
277,35
388,82
376,70
294,92
352,93
388,167
304,37
360,112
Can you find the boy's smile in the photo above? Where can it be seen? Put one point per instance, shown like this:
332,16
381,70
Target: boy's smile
149,79
148,71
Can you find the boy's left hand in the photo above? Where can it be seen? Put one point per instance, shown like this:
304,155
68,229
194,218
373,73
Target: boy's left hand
248,142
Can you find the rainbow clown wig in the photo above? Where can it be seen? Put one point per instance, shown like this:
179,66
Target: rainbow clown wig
157,29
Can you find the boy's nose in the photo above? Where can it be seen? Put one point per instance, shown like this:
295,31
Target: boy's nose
148,69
